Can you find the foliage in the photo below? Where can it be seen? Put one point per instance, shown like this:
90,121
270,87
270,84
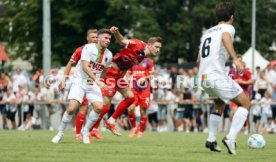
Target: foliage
179,22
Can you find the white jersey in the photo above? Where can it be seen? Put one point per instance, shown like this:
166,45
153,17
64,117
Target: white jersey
213,54
98,60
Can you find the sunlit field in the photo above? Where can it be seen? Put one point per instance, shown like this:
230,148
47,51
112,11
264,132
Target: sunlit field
35,146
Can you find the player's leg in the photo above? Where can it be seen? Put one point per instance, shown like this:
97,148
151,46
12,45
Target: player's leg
94,96
121,108
238,121
75,98
132,119
143,121
80,119
66,118
214,121
94,131
144,102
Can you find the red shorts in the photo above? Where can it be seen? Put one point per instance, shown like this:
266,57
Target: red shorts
114,80
142,99
85,101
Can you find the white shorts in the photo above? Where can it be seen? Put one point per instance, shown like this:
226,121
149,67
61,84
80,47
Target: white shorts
93,93
221,86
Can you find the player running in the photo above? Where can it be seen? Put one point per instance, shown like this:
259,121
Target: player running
95,58
134,52
141,75
92,37
216,45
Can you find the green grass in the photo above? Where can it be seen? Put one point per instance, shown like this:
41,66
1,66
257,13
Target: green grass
35,146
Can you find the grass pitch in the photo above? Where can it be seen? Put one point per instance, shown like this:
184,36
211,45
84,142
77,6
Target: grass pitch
35,146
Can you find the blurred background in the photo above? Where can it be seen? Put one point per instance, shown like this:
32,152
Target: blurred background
179,22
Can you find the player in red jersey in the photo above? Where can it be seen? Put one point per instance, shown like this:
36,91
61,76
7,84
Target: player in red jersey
245,80
134,52
92,37
141,75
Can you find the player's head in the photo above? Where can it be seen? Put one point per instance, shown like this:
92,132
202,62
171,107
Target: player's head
225,12
104,37
92,36
154,45
239,57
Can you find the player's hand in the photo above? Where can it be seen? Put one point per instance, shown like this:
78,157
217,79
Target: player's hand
114,29
101,84
239,65
62,85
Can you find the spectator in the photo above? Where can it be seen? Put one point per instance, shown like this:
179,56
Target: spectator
3,109
262,84
196,93
273,105
10,100
266,119
256,111
173,76
162,110
188,113
152,111
179,112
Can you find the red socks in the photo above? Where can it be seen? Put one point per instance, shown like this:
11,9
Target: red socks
79,122
132,119
143,123
122,107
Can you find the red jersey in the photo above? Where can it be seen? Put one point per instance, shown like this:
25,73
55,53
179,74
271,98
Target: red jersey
141,70
131,55
77,55
245,76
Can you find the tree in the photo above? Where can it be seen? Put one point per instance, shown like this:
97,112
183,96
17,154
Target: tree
180,23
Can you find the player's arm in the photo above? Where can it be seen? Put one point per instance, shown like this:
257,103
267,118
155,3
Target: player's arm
103,73
227,42
248,82
198,59
66,74
118,36
86,69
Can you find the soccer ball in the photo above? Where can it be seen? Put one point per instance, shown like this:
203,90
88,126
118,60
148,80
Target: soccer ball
256,141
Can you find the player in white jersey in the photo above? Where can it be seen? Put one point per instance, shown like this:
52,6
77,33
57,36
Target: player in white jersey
216,45
95,58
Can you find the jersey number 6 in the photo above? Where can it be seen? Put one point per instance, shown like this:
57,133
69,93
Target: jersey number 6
206,47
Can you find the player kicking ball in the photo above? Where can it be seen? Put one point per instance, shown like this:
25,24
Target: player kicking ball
215,48
95,58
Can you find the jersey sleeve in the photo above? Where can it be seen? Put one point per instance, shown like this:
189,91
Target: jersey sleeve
231,30
85,53
76,55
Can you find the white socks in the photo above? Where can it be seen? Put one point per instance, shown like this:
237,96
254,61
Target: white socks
65,120
239,118
213,127
92,118
111,120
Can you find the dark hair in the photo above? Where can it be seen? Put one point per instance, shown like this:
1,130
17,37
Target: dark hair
154,39
224,11
104,31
